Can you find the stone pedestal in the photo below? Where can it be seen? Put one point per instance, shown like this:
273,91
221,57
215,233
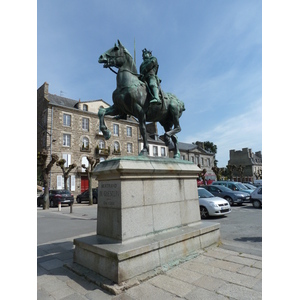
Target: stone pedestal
148,216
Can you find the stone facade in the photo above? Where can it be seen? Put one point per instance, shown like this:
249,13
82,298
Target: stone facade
70,129
199,156
252,163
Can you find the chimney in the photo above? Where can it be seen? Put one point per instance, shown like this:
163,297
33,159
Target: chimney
46,87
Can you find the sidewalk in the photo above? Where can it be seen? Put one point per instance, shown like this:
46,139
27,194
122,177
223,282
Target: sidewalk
216,273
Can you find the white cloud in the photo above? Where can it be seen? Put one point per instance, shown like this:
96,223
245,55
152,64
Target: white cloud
241,131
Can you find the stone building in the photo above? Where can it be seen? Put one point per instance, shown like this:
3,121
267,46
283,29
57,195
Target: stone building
252,163
70,129
157,147
199,156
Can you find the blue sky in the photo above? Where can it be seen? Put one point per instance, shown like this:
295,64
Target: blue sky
209,52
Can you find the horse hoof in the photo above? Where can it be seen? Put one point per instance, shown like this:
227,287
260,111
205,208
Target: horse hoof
144,152
177,156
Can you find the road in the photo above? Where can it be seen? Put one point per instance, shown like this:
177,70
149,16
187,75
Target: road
241,230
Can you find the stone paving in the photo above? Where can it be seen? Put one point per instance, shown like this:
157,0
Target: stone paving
216,273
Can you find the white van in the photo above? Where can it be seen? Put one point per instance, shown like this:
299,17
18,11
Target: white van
258,182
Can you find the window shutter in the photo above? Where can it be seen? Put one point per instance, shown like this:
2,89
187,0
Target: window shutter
72,183
59,182
69,160
85,162
65,157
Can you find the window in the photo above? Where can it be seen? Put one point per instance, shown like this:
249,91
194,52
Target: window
85,124
67,140
208,162
129,147
183,157
85,143
129,131
101,144
67,158
85,107
116,147
197,160
84,162
163,151
202,162
155,152
60,182
192,159
67,120
116,129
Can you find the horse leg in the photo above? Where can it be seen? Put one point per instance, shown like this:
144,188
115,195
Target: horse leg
176,150
170,133
111,111
142,121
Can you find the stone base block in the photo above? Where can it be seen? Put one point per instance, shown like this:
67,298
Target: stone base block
120,262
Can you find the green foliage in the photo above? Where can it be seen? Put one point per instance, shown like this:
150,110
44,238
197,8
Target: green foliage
208,146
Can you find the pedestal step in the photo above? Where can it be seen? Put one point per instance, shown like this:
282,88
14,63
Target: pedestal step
123,261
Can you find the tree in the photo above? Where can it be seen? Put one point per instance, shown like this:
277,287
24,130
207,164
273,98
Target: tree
258,174
202,175
208,146
218,172
240,169
230,169
66,170
45,170
89,169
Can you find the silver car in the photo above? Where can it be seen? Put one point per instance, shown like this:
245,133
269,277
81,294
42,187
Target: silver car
211,205
256,197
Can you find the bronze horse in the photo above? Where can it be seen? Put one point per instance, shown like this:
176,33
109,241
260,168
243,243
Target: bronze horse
131,98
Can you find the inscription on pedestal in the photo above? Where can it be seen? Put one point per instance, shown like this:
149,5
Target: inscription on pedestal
110,193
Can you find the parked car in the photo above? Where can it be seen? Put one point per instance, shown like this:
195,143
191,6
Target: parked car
256,197
233,197
249,186
55,196
211,205
258,182
235,186
85,196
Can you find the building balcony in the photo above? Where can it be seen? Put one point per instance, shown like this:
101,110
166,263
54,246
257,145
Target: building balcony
85,149
103,151
116,152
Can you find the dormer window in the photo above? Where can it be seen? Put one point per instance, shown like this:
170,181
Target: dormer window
85,107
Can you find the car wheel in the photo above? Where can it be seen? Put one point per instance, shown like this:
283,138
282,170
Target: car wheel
51,203
203,212
256,204
78,200
229,200
94,200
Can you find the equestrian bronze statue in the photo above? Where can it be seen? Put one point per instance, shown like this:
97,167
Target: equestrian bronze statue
132,97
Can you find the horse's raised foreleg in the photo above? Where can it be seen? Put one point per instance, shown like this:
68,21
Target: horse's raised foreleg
111,111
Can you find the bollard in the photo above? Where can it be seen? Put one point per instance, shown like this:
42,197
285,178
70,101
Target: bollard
71,208
59,206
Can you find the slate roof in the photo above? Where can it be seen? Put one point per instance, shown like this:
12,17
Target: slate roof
189,147
61,101
186,146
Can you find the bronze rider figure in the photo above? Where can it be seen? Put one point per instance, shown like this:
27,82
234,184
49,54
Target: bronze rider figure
148,71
